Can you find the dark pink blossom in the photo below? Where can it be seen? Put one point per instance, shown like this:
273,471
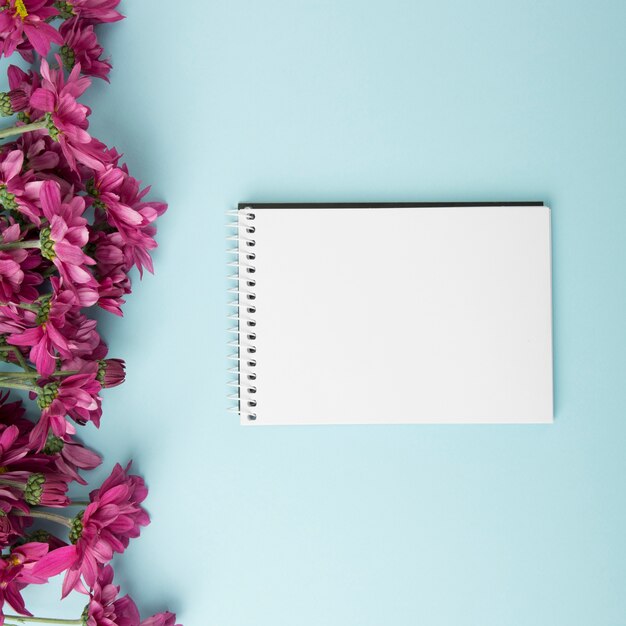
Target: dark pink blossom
111,372
113,517
19,268
105,608
63,240
24,22
160,619
119,201
42,331
111,270
66,118
75,396
16,572
81,46
18,192
91,11
11,272
69,456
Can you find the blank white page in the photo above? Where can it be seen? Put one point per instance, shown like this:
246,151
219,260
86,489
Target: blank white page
399,315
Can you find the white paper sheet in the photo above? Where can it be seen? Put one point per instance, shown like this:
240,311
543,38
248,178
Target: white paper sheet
400,315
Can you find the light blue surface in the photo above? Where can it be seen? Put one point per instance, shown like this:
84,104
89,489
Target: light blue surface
217,102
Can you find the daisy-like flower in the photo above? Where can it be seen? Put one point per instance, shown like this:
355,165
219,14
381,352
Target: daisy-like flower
161,619
13,522
110,270
105,190
42,331
63,240
69,456
16,572
66,118
24,23
17,99
19,277
40,156
105,608
81,46
75,396
11,272
92,11
119,201
18,192
113,517
37,488
111,372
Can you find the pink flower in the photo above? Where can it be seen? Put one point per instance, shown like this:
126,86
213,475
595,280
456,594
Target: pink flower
105,189
75,396
24,22
63,240
19,275
119,202
92,11
17,193
113,517
81,46
161,619
106,609
110,270
66,118
21,87
69,456
111,372
11,272
12,525
43,331
46,490
85,342
16,572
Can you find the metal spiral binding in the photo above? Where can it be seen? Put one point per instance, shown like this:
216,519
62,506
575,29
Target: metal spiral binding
243,308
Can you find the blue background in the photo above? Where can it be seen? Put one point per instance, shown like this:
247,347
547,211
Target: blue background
220,102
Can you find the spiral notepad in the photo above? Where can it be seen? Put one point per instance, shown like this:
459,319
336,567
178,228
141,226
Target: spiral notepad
391,313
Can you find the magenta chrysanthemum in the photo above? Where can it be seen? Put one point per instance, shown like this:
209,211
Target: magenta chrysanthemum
113,517
73,225
26,22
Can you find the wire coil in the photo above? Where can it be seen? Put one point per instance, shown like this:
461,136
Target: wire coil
243,308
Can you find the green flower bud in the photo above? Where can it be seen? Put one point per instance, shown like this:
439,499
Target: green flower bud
68,57
34,489
44,310
6,108
7,200
47,395
52,129
65,9
54,445
47,244
77,527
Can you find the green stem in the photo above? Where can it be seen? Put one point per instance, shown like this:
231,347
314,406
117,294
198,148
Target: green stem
24,619
18,245
84,503
20,130
51,517
10,385
30,375
12,483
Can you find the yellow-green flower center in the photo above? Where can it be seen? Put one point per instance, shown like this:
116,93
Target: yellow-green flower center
20,9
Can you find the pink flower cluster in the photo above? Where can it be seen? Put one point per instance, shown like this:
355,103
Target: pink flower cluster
73,225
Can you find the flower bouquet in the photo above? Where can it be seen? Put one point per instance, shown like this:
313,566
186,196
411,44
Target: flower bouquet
73,223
